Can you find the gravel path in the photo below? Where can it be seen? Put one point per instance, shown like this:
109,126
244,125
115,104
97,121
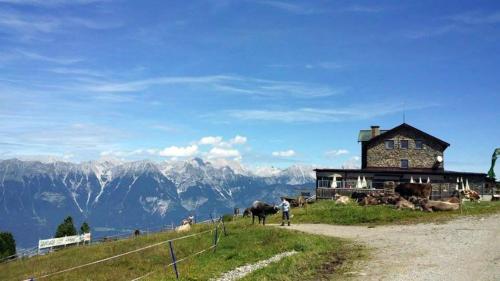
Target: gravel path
464,249
242,271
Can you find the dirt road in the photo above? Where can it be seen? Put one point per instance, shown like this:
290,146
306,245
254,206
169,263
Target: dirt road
463,249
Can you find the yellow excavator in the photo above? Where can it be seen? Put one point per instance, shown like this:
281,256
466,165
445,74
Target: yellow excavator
492,177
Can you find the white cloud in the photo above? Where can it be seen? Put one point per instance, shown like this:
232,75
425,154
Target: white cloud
435,31
58,60
286,153
210,140
51,2
25,25
337,152
218,149
176,151
362,9
313,115
457,23
17,22
218,152
218,141
129,153
477,17
289,7
238,140
352,163
222,83
76,71
324,65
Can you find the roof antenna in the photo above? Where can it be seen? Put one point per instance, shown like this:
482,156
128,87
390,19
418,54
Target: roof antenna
404,112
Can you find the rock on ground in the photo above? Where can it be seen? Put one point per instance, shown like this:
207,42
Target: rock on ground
242,271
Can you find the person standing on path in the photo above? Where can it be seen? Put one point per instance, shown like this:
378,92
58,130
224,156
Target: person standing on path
285,209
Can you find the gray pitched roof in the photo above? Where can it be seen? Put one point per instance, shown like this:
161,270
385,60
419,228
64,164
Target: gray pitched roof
366,135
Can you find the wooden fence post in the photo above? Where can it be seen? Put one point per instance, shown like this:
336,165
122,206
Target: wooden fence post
223,226
215,239
174,261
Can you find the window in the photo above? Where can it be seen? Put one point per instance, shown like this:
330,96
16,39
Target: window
404,163
419,144
389,144
324,182
404,144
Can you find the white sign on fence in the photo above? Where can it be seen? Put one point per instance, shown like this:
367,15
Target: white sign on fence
48,243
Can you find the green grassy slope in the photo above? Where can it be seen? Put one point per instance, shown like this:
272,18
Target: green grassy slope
326,211
244,244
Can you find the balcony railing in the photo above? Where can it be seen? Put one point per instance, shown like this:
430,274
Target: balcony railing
344,184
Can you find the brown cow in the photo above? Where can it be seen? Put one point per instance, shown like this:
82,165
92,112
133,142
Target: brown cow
369,200
342,200
414,189
472,195
452,200
301,201
404,204
442,206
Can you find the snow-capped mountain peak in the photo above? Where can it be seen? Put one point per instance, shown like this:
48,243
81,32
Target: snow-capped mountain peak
132,194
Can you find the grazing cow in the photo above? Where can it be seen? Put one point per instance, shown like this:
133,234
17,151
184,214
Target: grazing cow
452,200
358,196
137,232
420,203
261,210
183,228
247,212
343,200
391,199
414,189
442,206
369,200
301,201
404,204
472,195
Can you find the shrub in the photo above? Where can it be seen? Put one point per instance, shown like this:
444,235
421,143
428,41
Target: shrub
66,228
84,228
7,245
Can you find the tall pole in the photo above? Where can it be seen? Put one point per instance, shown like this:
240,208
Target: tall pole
174,261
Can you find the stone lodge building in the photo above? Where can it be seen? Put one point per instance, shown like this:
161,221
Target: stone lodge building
400,154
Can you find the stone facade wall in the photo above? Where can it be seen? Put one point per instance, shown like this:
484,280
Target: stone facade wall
378,156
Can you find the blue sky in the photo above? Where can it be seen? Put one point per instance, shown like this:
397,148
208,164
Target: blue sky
261,82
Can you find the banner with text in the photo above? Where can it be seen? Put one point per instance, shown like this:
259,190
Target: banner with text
48,243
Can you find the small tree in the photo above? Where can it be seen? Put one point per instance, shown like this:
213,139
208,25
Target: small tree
7,244
85,228
66,228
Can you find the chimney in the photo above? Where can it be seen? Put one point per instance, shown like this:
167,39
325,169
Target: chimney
375,131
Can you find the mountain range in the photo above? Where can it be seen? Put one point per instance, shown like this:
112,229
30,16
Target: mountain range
118,197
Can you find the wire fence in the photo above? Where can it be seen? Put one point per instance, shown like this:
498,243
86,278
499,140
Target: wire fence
176,261
218,224
34,251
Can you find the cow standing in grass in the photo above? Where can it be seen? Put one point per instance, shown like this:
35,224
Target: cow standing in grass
407,190
261,210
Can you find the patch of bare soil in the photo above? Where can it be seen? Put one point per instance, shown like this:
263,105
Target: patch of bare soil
333,263
463,249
